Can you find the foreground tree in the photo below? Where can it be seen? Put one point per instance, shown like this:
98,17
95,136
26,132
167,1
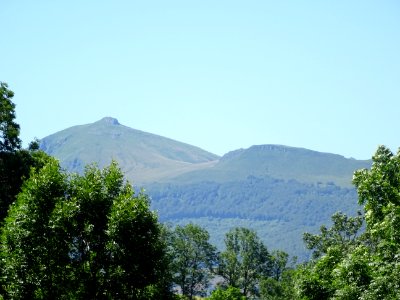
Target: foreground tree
15,163
366,267
9,130
230,293
193,259
330,247
379,191
343,234
245,261
81,237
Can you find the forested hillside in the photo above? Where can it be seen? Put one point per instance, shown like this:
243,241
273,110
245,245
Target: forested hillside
271,206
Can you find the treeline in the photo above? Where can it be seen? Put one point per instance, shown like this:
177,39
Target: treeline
91,236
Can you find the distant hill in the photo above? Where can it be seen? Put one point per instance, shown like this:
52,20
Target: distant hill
144,157
280,162
279,191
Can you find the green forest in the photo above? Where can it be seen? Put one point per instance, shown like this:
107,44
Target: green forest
93,236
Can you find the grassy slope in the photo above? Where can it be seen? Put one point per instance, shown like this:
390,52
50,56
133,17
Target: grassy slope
143,156
280,162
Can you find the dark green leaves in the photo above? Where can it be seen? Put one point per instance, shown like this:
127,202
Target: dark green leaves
85,237
9,130
245,260
193,259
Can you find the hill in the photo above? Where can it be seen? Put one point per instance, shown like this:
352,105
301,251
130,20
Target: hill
144,157
280,162
279,191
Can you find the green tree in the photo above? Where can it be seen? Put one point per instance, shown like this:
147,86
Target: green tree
14,169
81,237
245,261
365,267
230,293
316,280
343,233
15,163
379,191
280,284
193,259
279,263
9,130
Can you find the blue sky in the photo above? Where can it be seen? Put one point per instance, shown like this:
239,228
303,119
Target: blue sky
221,75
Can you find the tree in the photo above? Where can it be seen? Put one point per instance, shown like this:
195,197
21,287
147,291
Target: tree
379,191
15,163
230,293
343,233
245,260
365,267
81,237
14,169
280,284
193,259
9,130
316,279
279,263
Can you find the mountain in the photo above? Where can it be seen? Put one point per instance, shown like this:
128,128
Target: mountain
280,162
279,191
144,157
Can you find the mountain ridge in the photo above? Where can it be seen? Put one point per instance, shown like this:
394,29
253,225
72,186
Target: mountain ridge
147,157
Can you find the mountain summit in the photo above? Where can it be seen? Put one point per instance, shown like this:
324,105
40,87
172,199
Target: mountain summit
109,120
143,156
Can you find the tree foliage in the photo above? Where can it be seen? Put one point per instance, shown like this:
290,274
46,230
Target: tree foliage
343,233
80,237
245,260
15,163
193,259
14,169
364,267
230,293
9,130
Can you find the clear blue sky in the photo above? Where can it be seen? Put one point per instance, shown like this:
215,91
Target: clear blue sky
221,75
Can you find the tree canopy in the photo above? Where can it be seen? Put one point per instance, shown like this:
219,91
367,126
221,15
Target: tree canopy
348,266
192,259
9,130
245,261
15,163
80,237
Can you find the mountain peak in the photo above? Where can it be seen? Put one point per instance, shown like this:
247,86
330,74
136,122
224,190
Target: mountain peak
109,120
